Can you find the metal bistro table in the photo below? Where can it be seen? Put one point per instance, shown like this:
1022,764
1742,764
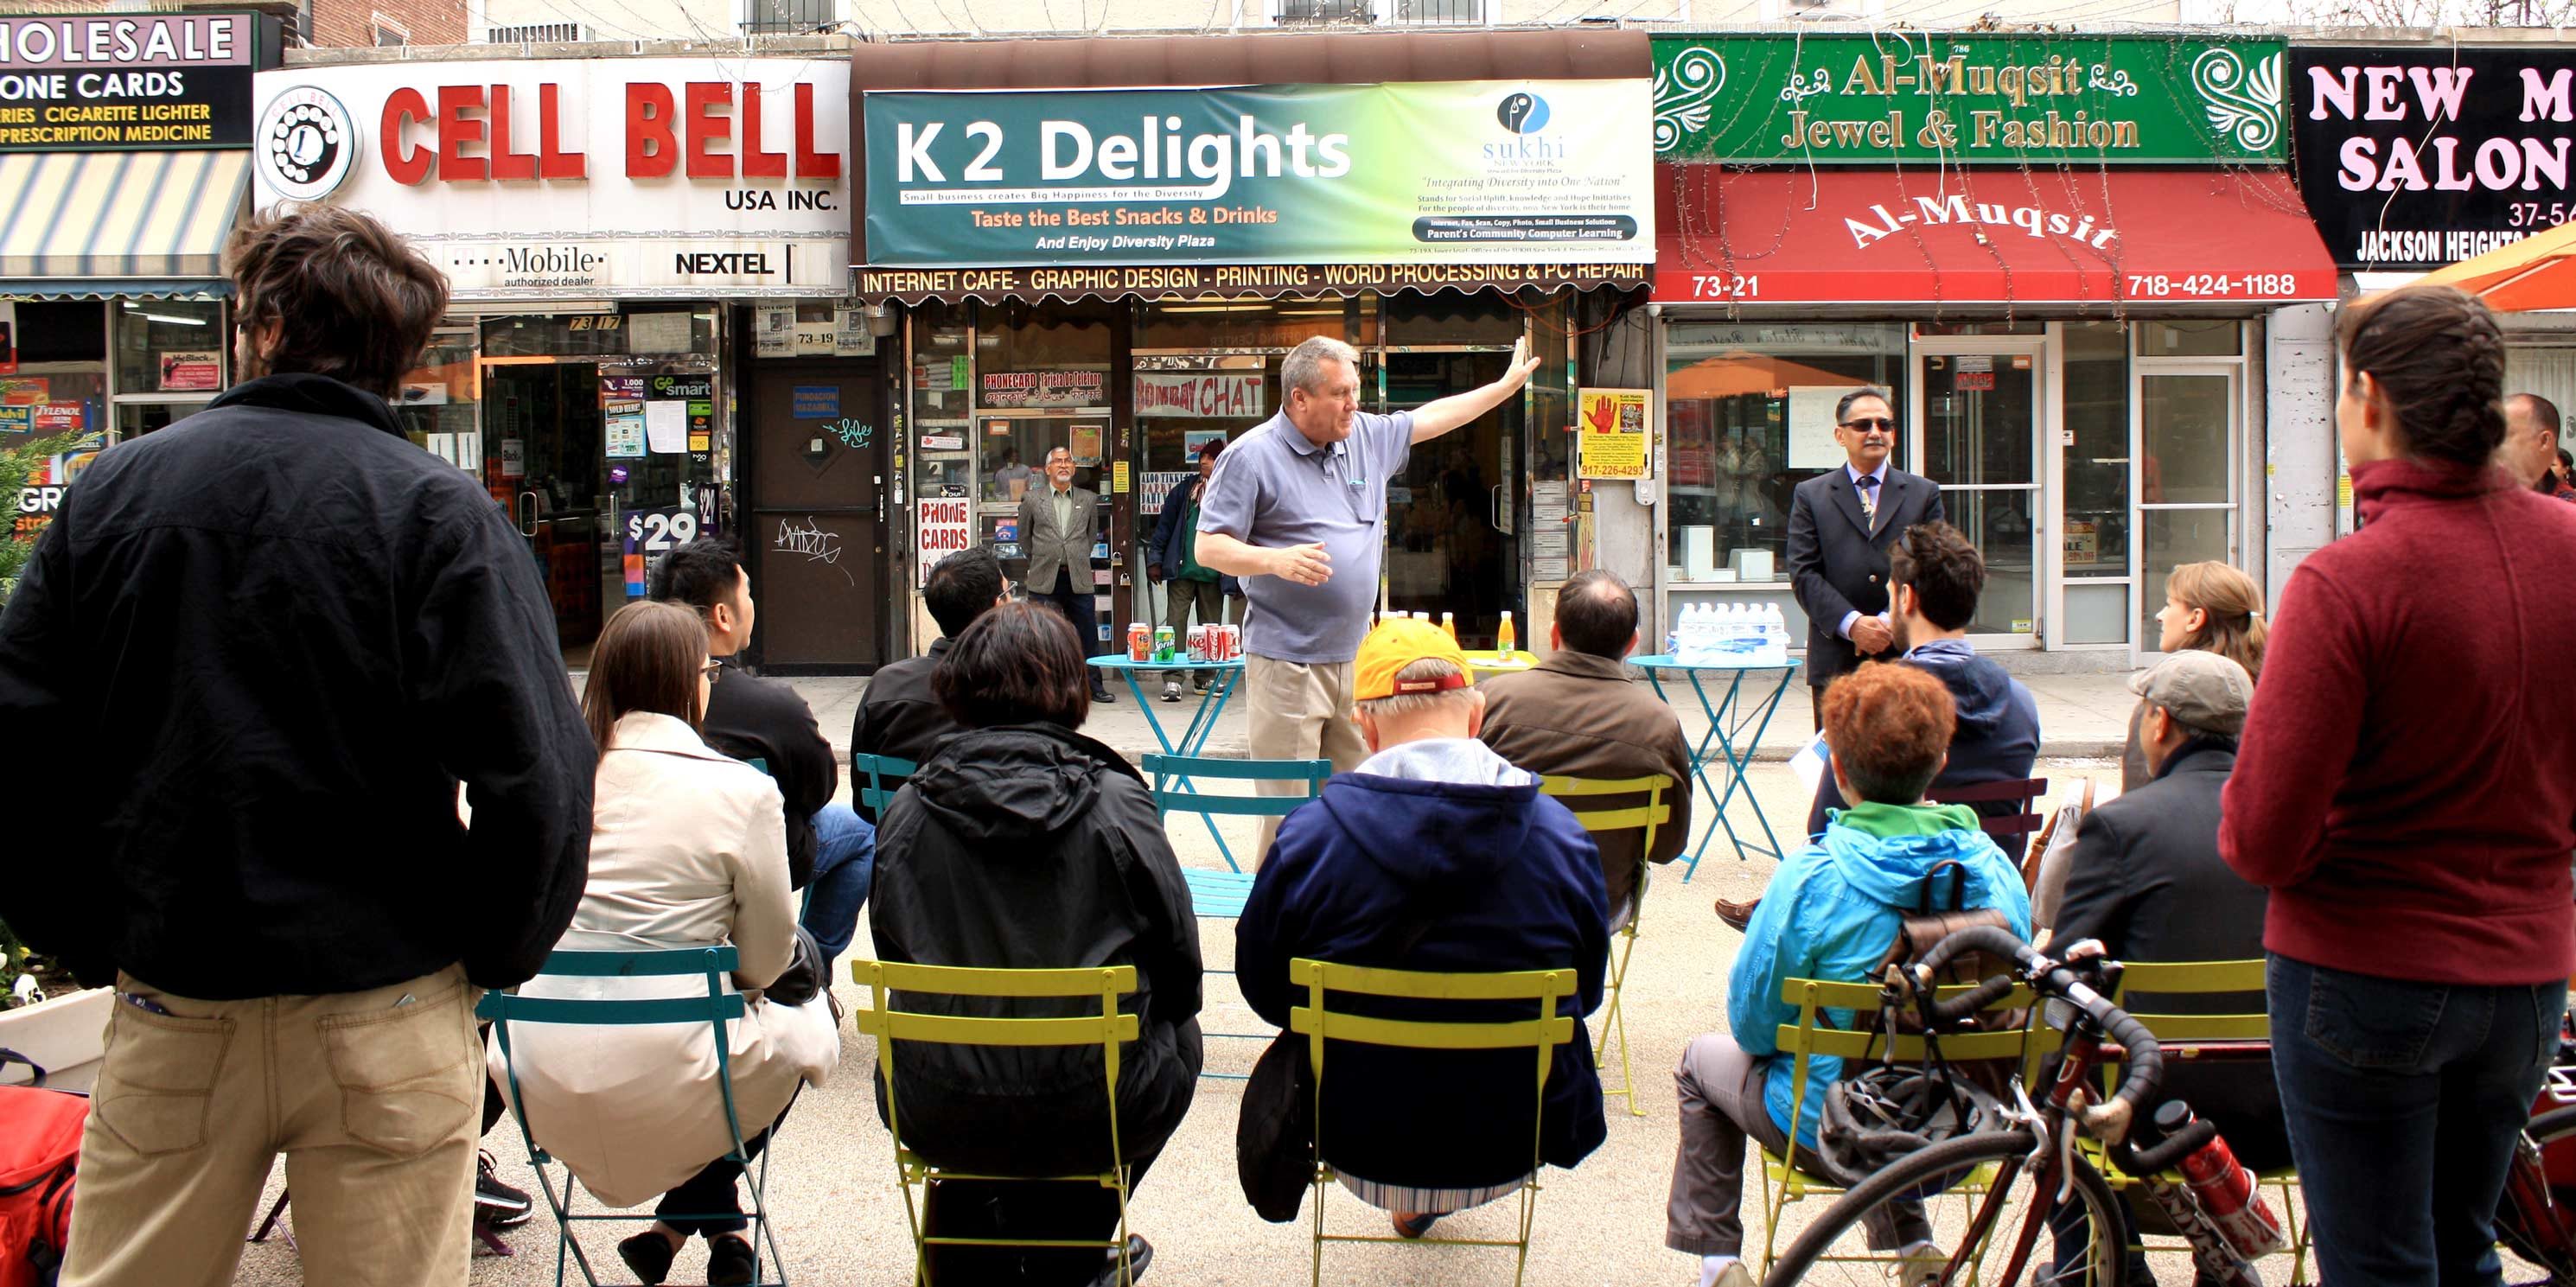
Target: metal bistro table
1728,718
1202,726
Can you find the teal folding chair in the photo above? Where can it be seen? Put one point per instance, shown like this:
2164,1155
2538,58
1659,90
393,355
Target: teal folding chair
879,770
1219,895
717,1008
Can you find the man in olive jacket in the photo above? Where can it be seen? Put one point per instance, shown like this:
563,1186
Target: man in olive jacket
1577,714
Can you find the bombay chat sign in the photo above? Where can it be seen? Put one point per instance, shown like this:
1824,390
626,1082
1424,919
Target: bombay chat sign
1468,172
128,81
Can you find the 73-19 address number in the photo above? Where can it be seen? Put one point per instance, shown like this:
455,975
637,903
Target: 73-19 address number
2213,285
1726,286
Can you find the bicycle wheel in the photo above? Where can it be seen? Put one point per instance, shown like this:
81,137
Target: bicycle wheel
2525,1233
1977,1199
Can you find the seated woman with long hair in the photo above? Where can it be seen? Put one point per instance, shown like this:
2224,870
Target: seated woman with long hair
1024,845
687,851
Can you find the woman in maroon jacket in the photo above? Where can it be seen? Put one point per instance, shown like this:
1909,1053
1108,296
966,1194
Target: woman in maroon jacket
2407,790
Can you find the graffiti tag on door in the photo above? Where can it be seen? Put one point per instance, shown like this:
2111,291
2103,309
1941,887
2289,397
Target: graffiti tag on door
813,543
857,435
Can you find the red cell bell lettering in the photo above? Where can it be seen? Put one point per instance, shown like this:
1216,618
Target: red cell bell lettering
456,129
552,161
811,164
652,146
704,127
757,164
506,164
404,163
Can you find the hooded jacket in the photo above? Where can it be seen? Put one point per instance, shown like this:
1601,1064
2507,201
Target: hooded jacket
1440,856
1831,914
1995,740
1030,846
1170,549
248,665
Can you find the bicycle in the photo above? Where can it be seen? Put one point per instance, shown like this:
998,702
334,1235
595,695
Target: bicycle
2536,1217
2031,1162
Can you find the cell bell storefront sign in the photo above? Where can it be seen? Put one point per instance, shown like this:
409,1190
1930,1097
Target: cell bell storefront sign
653,177
128,82
1902,96
1468,172
2418,158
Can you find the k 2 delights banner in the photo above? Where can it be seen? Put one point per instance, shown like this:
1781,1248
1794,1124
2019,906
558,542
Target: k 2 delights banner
1476,172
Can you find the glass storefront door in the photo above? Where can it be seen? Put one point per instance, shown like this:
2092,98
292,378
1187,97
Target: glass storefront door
1453,541
1976,428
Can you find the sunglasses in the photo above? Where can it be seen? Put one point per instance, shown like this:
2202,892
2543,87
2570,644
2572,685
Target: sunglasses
1866,425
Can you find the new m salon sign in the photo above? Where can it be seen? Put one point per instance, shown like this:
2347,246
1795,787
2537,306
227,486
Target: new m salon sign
665,177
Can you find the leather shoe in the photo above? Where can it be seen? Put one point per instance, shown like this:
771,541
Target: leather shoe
1140,1253
1103,695
649,1256
729,1261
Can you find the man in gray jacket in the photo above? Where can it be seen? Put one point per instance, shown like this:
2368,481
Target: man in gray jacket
1059,523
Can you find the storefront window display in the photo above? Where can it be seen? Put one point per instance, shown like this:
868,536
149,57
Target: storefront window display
1750,415
2096,527
172,358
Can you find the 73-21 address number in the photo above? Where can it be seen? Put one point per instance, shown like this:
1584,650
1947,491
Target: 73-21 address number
1726,286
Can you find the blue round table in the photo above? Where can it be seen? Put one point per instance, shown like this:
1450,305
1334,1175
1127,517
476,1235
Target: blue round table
1728,719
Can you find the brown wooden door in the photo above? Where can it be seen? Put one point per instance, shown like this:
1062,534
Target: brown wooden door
817,530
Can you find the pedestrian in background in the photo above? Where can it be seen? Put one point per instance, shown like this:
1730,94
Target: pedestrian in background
1172,560
1059,525
2404,791
259,650
2209,607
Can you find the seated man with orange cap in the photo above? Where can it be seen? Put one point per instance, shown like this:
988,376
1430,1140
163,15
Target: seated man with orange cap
1434,854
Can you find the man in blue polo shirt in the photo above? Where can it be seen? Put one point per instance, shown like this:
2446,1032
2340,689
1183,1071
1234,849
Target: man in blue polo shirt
1297,511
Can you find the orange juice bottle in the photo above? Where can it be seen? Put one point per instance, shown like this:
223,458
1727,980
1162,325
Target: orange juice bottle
1505,643
1449,624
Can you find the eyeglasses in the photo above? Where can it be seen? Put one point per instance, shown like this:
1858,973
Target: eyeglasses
710,670
1866,425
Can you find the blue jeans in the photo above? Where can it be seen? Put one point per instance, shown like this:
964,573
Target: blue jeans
845,864
2404,1101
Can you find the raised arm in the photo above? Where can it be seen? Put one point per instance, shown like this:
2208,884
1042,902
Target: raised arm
1432,419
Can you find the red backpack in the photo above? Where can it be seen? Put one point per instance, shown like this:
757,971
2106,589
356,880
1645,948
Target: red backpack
40,1136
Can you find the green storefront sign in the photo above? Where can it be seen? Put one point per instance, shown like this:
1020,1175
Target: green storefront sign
1907,96
1461,172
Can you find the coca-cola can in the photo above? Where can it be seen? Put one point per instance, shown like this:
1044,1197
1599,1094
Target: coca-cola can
1233,642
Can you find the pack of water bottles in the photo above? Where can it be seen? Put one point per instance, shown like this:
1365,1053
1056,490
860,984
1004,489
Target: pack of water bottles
1731,634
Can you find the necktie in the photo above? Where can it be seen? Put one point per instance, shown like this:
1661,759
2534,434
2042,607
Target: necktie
1868,484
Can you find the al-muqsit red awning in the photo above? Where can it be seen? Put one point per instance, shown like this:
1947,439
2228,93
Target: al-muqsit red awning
1981,237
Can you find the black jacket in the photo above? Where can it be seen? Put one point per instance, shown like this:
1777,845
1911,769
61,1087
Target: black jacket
1838,559
2146,879
899,717
1173,538
1030,846
764,723
248,665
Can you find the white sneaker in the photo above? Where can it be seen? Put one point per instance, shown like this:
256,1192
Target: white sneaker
1920,1264
1171,690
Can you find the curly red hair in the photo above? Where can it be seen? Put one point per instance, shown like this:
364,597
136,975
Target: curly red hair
1889,725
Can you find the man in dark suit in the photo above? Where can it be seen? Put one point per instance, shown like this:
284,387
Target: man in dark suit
1059,523
1840,527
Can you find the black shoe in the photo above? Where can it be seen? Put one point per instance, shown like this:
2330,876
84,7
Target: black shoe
1140,1253
497,1204
729,1261
1103,695
650,1255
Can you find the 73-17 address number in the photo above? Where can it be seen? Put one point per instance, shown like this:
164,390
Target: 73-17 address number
1727,286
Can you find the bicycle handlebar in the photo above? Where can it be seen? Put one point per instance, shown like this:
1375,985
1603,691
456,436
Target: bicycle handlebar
2053,979
2147,1162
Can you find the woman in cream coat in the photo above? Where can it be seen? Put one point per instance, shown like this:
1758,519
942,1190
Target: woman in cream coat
687,850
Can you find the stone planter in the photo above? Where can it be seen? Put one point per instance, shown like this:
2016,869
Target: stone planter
66,1034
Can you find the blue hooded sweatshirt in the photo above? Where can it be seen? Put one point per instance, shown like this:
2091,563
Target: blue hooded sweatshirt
1997,736
1436,855
1832,912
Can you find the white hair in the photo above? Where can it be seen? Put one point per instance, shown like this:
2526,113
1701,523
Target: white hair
1304,368
1408,703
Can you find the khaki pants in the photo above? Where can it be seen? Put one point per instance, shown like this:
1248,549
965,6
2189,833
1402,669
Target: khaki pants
374,1103
1300,711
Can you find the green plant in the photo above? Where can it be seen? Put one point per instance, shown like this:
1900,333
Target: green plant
17,464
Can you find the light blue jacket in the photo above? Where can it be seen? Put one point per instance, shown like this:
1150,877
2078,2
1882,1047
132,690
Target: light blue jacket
1833,911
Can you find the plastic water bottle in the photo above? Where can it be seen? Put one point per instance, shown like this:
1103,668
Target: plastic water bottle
1695,631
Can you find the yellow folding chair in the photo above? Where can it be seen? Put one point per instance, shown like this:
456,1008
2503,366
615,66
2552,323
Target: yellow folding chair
1542,1033
1654,813
1817,1033
2187,1037
888,1025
